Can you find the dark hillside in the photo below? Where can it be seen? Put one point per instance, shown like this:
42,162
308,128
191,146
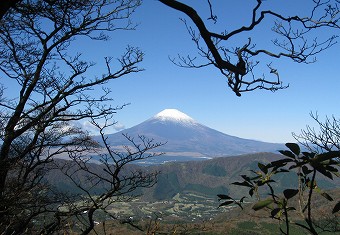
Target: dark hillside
211,177
205,178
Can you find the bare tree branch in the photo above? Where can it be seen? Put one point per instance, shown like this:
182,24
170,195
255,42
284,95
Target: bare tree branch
326,137
293,41
56,91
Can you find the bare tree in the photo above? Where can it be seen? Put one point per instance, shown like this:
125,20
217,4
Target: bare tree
5,5
102,185
55,91
114,181
294,41
325,137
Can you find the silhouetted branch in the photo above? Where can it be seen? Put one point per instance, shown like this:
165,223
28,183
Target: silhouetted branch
55,90
293,42
324,138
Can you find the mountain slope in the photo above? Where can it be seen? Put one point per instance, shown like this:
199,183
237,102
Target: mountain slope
202,178
186,137
215,176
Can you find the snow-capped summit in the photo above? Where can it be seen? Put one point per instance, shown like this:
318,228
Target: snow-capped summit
173,115
184,136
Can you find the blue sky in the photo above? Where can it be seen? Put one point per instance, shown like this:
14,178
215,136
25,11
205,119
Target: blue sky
203,94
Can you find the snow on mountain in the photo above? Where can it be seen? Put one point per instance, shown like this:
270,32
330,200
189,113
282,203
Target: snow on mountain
184,136
173,115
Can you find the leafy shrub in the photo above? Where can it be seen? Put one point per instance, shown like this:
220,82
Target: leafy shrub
306,166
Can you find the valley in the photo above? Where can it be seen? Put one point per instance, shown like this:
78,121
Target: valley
194,214
181,208
199,163
185,199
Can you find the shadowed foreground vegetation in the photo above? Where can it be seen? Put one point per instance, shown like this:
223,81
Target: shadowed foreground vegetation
228,221
184,200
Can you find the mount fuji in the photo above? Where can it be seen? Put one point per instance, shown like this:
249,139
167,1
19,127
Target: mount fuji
187,139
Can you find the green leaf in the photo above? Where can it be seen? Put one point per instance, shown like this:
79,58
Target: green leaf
326,195
263,167
242,199
245,177
320,168
281,162
305,170
226,203
224,197
336,208
287,153
275,212
294,148
244,183
309,155
309,184
262,204
318,190
289,193
327,156
251,192
331,169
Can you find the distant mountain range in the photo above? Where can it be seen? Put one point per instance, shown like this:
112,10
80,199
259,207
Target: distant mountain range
205,178
188,140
